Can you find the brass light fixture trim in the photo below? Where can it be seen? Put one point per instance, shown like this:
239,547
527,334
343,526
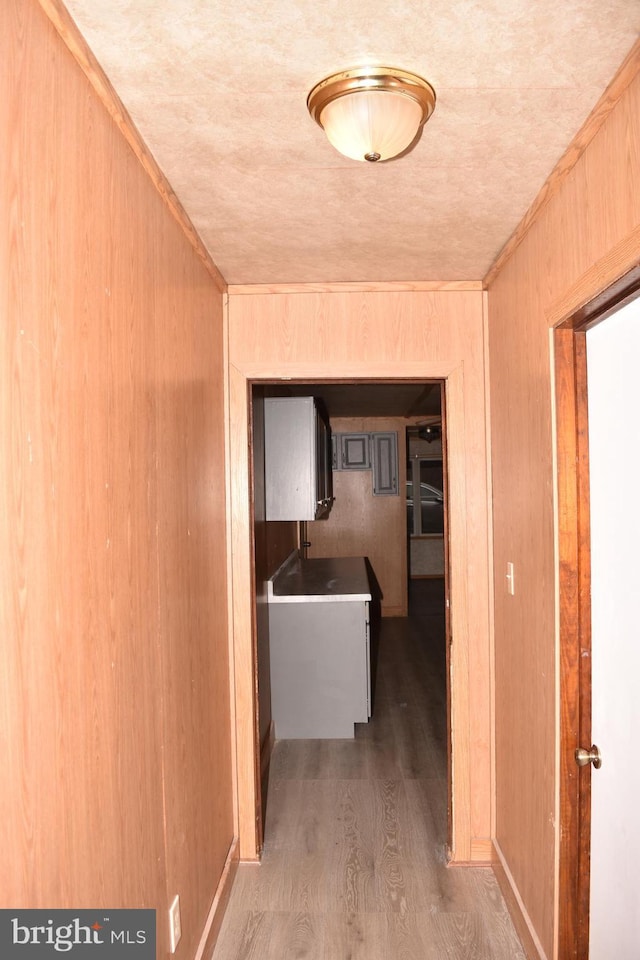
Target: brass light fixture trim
389,80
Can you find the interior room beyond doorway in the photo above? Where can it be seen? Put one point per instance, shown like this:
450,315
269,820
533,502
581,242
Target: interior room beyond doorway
361,523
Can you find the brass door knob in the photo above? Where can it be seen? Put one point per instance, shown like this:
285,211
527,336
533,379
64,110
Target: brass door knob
585,757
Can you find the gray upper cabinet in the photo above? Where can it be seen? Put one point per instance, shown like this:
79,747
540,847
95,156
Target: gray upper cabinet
385,464
377,452
297,459
354,451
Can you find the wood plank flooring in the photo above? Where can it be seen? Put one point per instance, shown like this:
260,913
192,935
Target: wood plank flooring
354,862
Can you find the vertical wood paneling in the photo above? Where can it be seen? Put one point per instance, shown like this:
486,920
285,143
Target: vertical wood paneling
191,592
59,16
592,218
115,727
418,335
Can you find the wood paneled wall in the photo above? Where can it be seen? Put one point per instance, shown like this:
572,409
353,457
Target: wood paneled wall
361,524
116,786
584,233
391,334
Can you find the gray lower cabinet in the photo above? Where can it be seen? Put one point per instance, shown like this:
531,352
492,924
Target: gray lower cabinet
320,671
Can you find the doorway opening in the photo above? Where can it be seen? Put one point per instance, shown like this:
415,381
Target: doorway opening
468,615
365,523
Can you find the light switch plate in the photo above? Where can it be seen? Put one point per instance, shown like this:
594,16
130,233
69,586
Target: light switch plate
511,586
175,924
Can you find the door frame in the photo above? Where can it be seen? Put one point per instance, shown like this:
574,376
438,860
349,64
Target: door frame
465,847
574,601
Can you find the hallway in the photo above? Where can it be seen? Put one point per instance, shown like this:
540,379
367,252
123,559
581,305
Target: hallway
355,839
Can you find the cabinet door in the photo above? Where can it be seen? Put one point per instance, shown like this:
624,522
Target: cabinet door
324,465
297,459
319,668
354,451
385,464
367,647
290,458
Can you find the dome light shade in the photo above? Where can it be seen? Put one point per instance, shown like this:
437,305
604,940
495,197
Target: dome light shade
372,113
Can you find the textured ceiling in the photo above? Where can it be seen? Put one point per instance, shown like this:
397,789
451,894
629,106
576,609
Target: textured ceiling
218,92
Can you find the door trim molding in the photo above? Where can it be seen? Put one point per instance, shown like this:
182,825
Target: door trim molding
243,586
605,284
574,589
575,637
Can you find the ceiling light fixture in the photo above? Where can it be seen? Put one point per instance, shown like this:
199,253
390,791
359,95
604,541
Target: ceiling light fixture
372,113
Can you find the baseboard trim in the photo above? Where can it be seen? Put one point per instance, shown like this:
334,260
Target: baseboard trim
219,903
481,854
482,850
520,917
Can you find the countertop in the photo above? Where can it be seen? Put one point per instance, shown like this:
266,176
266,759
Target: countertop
321,579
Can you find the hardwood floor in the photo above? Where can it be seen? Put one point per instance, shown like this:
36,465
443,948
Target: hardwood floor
354,862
